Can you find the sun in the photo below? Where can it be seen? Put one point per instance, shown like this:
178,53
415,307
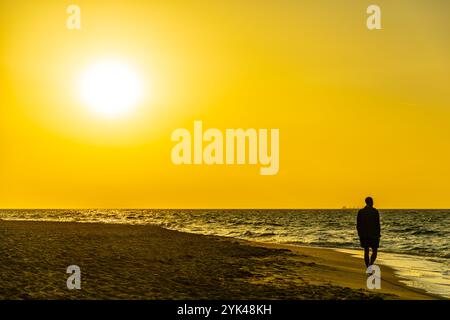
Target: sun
111,88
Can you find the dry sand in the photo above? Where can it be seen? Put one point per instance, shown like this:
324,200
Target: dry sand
149,262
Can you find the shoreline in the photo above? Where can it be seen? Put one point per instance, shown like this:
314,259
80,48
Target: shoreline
350,270
157,263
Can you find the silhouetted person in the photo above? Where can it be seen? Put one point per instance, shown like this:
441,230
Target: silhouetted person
369,232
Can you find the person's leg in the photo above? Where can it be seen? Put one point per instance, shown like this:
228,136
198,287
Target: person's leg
374,255
366,256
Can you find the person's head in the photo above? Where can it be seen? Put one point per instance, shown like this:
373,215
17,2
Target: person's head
369,201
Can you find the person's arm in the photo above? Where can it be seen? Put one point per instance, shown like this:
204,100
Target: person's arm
378,224
358,223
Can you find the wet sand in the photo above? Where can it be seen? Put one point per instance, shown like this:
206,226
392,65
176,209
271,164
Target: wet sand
148,262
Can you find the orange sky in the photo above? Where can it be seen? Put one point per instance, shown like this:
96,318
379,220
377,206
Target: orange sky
359,112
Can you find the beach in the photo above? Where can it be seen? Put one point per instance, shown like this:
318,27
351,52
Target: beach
120,261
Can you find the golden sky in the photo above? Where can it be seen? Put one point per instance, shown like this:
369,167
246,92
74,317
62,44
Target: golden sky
359,112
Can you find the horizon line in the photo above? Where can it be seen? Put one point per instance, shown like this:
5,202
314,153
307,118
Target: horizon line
215,208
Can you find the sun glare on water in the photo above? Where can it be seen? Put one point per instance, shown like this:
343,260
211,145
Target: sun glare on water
111,88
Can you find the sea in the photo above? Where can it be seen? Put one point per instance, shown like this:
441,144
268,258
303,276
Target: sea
416,243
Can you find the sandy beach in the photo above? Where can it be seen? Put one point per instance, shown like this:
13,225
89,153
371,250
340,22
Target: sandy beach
120,261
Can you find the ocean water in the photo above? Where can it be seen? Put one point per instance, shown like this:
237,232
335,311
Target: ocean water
416,243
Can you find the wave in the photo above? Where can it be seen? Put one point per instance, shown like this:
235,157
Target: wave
329,244
249,233
425,232
420,232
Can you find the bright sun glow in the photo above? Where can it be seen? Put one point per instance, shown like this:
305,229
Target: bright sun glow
111,88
